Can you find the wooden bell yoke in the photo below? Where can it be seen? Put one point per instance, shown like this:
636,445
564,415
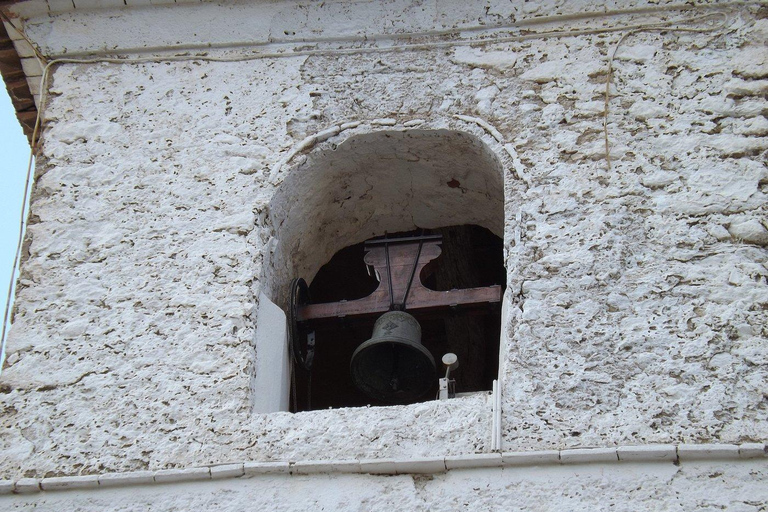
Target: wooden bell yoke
405,258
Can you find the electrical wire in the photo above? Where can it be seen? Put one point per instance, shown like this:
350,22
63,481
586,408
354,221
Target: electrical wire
16,258
35,49
627,29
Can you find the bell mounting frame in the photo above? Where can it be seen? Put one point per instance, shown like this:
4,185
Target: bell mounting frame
398,263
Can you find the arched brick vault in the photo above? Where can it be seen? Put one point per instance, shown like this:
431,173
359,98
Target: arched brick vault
376,182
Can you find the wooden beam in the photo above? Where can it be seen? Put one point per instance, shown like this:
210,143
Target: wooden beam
401,258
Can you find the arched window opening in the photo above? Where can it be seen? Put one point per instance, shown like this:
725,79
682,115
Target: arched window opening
471,257
394,183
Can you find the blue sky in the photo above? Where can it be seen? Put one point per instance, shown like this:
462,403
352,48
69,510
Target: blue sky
14,155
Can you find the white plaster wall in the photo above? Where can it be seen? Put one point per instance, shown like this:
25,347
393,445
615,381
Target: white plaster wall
639,293
736,486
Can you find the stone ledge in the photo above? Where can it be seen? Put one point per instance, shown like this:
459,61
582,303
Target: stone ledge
120,479
707,451
378,466
262,468
61,483
477,460
182,475
227,471
647,453
588,455
6,486
530,458
425,465
28,486
430,466
325,466
752,450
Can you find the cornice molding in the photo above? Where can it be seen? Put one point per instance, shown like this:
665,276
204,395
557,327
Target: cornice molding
658,453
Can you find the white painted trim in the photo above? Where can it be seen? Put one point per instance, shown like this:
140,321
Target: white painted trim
167,476
266,468
504,343
707,451
270,383
752,450
584,455
320,466
123,479
63,483
494,416
424,465
30,485
658,452
534,458
227,471
477,460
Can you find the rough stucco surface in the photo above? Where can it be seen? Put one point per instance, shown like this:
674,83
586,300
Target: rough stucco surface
639,294
704,486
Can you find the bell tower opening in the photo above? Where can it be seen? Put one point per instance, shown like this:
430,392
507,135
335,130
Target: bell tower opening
404,221
470,257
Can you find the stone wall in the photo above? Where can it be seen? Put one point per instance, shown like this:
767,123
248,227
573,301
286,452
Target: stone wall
637,292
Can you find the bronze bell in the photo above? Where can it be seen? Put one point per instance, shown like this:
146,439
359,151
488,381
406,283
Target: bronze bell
393,366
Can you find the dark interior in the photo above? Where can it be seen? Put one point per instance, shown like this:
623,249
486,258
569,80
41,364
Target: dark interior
471,256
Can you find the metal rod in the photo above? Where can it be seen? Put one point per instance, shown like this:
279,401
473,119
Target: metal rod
389,279
494,425
413,273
